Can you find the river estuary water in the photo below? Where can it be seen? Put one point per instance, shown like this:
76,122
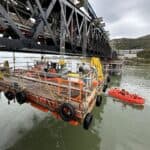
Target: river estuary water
115,126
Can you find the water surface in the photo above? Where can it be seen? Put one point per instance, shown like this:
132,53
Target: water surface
115,126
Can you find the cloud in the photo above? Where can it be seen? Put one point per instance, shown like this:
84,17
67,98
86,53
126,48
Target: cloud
130,18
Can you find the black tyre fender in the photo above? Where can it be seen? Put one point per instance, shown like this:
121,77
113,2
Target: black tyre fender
67,112
99,99
21,97
108,79
9,95
105,88
87,121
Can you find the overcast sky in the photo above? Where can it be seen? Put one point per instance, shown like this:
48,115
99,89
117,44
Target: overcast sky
129,18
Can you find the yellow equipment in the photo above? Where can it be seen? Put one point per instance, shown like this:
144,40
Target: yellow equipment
74,75
62,62
95,62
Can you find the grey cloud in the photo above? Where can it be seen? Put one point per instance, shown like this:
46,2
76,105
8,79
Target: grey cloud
117,12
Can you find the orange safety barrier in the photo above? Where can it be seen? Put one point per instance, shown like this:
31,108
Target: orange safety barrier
74,84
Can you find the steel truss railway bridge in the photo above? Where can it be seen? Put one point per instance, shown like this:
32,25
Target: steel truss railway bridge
52,27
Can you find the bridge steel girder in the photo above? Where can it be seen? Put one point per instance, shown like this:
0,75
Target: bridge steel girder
51,26
4,14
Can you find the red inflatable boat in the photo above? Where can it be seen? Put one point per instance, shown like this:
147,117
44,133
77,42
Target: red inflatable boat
125,96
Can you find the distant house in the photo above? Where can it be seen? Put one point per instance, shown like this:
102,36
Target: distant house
132,53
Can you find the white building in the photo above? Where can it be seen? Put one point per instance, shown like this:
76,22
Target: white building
132,53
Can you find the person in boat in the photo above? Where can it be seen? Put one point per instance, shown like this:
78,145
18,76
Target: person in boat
84,68
81,70
135,96
53,68
123,92
47,67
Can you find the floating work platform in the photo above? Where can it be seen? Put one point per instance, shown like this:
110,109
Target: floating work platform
70,96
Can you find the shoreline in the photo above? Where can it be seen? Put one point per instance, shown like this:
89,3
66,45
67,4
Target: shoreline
137,62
